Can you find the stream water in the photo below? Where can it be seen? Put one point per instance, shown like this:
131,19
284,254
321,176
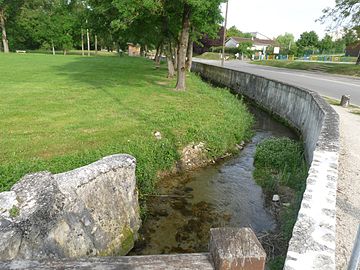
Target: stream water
225,194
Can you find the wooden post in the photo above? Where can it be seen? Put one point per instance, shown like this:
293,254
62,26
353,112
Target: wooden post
236,249
345,101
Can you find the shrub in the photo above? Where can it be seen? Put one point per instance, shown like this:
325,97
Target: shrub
280,161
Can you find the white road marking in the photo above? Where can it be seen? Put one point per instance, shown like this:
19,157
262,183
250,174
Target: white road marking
315,78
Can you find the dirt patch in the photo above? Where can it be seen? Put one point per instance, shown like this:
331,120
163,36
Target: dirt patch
348,193
194,156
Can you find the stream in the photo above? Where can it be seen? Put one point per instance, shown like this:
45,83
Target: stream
221,195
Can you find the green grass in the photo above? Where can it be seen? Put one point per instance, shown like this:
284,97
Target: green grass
73,52
61,112
341,69
357,111
335,102
280,162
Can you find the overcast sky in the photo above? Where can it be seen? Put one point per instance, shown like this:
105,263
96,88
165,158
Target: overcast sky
275,17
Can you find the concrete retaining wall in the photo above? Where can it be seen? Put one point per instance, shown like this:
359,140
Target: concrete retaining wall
312,245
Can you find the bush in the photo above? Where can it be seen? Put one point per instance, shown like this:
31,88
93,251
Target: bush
280,161
227,50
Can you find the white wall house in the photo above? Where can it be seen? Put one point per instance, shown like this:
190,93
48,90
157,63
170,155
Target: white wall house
258,44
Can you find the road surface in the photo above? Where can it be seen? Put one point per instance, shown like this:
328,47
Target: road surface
333,86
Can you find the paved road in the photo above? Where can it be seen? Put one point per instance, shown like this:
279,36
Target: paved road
325,84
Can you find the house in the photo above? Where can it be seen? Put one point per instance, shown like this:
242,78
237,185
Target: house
257,44
134,50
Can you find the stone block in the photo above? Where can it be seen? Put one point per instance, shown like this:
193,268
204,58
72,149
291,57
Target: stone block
236,249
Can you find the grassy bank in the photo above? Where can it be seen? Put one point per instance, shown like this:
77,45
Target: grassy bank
214,56
61,112
341,69
335,102
280,168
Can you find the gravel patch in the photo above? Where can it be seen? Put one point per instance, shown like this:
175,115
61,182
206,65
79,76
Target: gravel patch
348,193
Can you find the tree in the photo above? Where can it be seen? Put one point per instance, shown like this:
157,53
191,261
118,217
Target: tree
346,13
287,43
351,36
8,8
169,24
234,32
308,42
339,45
49,23
326,44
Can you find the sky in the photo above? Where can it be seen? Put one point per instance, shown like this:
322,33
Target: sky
275,17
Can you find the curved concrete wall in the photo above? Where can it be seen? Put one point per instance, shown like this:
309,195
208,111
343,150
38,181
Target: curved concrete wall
312,245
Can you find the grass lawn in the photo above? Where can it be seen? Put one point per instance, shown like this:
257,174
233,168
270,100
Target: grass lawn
61,112
341,69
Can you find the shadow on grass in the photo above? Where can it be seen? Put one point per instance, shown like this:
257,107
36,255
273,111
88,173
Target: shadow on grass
113,76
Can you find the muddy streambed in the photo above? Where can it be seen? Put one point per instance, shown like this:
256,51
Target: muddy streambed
225,194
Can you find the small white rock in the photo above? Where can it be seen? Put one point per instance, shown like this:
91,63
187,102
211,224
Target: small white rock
276,198
157,135
286,204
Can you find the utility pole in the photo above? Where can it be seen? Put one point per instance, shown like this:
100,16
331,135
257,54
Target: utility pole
224,36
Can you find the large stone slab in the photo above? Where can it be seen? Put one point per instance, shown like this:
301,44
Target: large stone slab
236,249
89,211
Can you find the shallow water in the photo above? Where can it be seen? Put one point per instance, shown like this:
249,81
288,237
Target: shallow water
225,194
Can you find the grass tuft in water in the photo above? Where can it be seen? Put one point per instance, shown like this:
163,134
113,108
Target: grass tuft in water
280,162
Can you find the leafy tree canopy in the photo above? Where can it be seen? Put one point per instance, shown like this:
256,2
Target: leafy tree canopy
346,13
308,40
235,32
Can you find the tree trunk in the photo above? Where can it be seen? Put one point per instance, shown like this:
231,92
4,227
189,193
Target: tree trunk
4,37
53,47
96,45
146,50
157,52
358,59
65,51
171,69
189,55
158,59
169,59
82,42
184,40
88,41
175,53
